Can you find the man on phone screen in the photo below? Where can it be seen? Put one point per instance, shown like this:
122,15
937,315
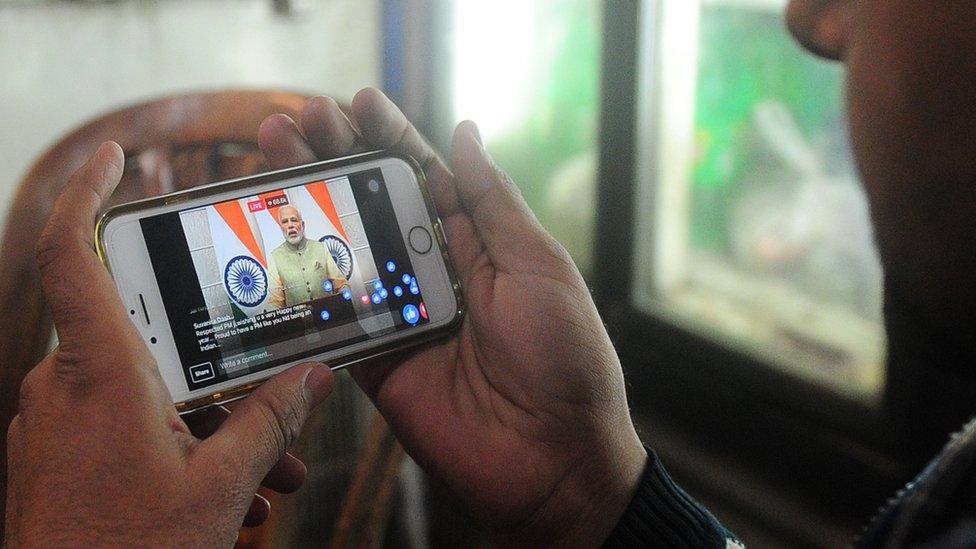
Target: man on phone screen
302,270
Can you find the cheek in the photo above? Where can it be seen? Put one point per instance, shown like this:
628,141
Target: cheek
903,141
880,110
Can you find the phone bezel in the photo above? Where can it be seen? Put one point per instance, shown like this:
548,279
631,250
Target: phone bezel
446,289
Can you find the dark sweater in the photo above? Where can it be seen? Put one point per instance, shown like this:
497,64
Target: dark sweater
936,509
661,514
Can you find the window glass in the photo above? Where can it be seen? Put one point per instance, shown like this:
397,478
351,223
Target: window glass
758,231
528,72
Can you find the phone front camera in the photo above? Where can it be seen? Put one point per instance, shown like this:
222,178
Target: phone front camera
374,185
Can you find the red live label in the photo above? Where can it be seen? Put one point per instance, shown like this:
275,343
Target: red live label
255,206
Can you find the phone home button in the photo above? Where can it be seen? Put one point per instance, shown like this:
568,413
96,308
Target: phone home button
420,240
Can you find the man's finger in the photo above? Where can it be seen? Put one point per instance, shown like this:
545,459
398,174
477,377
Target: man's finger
282,143
328,130
258,512
371,374
384,126
266,423
506,225
78,289
287,475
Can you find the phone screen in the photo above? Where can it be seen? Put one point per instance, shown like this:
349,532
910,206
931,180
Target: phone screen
256,282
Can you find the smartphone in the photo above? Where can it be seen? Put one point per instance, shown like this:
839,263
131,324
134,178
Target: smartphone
233,282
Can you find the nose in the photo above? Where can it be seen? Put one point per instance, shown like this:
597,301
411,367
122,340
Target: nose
820,26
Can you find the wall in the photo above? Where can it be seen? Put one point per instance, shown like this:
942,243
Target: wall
62,64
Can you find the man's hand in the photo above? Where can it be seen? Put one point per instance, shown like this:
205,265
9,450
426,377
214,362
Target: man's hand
97,453
523,412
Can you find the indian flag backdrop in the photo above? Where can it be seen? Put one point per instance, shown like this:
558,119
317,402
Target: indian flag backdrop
241,261
246,231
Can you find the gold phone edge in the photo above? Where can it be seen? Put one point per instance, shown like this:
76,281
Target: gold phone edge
236,393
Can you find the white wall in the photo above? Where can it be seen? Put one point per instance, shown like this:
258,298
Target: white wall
62,64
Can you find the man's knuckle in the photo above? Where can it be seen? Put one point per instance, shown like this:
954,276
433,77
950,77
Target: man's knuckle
49,246
561,259
28,390
232,472
69,368
71,313
14,430
294,416
289,419
502,178
402,135
282,414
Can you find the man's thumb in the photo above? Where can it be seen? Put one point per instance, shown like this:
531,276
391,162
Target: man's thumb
265,424
504,222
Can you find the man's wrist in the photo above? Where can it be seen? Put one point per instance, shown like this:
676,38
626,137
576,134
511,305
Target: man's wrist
609,503
586,507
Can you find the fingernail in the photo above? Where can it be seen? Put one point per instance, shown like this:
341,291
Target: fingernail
318,384
477,134
111,148
111,145
111,152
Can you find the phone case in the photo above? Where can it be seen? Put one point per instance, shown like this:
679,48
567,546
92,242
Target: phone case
229,395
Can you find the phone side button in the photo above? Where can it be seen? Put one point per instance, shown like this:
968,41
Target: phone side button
420,239
202,372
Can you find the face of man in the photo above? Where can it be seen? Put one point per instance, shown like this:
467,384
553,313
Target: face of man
292,225
911,85
820,26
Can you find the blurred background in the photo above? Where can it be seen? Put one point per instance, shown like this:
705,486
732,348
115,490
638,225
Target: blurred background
689,155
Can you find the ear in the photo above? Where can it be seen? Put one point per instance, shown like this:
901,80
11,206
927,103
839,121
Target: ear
821,26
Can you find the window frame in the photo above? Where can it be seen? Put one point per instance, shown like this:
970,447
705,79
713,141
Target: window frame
757,412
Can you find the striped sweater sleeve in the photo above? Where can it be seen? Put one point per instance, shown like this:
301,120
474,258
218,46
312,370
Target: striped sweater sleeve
661,514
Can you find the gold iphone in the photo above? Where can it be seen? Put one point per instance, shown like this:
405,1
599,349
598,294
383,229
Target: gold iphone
233,282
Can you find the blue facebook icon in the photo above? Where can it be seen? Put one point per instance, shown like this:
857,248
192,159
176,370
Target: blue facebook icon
411,314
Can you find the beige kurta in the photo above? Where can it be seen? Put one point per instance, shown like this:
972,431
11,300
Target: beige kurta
297,273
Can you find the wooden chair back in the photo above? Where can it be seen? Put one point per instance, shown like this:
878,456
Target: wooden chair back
171,144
